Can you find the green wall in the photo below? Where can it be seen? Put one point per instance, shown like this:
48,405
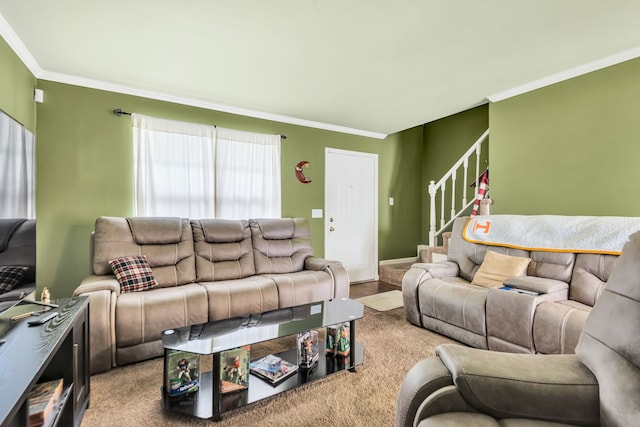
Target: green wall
16,88
445,141
84,170
571,148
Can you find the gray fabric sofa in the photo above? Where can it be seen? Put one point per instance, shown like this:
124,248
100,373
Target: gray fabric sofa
18,248
440,297
597,386
206,269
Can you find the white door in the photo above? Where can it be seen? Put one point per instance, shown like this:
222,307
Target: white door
351,212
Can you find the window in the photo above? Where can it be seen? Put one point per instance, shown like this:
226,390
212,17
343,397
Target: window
17,176
201,171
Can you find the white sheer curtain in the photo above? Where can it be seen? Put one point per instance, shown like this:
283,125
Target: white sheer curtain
17,173
173,168
200,171
247,175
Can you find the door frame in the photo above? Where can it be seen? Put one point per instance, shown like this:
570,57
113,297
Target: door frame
373,156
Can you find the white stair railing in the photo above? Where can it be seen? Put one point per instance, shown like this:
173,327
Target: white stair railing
441,187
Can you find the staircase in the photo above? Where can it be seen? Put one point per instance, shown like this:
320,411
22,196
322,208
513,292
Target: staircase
393,273
435,253
452,206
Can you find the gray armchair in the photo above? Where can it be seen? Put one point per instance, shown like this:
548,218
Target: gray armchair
597,386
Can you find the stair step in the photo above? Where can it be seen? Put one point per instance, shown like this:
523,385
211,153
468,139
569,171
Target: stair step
393,273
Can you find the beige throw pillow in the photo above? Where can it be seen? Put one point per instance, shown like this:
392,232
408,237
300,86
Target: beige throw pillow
497,267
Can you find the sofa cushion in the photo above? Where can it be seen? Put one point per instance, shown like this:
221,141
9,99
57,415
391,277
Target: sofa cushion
133,273
239,297
155,230
8,226
303,287
469,256
551,265
10,277
455,301
223,249
140,317
497,267
590,275
557,326
172,263
280,245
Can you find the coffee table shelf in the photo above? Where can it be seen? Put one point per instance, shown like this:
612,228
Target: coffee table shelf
215,337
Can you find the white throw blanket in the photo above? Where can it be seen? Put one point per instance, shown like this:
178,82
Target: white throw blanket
553,233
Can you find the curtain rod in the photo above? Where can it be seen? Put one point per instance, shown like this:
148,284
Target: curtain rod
118,112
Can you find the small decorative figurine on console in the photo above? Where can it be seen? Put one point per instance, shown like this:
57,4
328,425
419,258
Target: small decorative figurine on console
45,297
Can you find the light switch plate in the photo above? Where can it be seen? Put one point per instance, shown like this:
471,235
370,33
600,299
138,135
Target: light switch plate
391,201
316,213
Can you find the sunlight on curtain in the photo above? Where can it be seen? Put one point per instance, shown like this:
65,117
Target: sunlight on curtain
199,171
173,168
247,175
17,174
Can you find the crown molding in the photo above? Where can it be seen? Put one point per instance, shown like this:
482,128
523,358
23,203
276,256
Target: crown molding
567,74
18,47
29,61
113,87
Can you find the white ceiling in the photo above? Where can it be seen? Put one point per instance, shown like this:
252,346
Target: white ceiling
370,67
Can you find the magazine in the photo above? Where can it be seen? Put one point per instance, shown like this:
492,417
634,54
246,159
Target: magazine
273,369
234,368
183,372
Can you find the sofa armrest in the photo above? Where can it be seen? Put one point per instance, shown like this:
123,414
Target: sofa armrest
103,292
556,388
418,273
317,264
540,285
439,269
337,272
425,378
97,283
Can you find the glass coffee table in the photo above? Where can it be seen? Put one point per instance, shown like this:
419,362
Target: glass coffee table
213,338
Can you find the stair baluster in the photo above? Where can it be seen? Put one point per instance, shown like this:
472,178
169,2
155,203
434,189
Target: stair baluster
440,187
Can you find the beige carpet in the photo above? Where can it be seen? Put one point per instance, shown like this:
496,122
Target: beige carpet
130,395
384,301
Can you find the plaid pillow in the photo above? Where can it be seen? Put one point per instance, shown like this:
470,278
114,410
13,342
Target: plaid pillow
133,273
10,277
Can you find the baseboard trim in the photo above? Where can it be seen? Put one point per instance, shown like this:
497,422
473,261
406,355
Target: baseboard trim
398,261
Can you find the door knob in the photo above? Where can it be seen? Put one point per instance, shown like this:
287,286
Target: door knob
331,229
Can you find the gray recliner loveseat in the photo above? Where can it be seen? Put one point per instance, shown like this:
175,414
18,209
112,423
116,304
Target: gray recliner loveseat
597,386
206,269
558,290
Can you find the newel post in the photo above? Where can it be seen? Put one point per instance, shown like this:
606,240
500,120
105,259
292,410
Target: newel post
432,213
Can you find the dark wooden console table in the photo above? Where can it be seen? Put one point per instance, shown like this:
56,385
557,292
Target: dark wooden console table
33,354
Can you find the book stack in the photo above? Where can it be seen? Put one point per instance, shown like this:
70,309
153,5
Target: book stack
42,399
272,369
